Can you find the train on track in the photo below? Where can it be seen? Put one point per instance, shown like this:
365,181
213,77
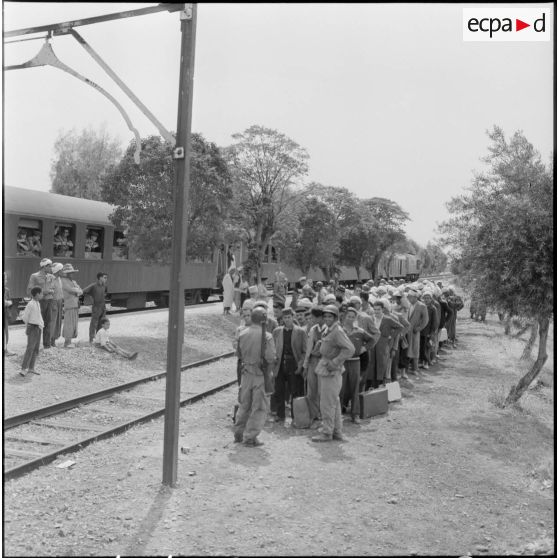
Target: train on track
78,231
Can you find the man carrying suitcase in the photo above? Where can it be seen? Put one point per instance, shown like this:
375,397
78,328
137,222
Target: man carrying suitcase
335,349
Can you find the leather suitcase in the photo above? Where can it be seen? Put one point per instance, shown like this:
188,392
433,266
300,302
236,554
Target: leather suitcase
373,402
301,413
394,392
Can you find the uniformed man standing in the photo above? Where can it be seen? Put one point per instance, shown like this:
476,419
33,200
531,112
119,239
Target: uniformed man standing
335,349
254,403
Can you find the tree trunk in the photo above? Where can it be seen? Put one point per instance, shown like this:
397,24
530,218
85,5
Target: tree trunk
507,324
517,391
530,342
524,329
357,269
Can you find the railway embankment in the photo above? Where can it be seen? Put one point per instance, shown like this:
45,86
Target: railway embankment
445,471
68,373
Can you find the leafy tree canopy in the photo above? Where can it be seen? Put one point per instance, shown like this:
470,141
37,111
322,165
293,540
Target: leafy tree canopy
501,230
266,167
144,196
81,161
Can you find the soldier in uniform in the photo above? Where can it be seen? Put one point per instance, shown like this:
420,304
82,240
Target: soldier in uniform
335,349
254,403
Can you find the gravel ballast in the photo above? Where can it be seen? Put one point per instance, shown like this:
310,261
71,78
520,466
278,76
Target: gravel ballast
444,472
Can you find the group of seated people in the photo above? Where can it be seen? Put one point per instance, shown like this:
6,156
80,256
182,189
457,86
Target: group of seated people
29,242
63,245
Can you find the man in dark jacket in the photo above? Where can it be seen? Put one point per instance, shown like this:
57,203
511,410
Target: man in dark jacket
290,344
97,291
427,332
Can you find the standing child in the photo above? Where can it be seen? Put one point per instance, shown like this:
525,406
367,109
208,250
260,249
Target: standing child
103,342
34,325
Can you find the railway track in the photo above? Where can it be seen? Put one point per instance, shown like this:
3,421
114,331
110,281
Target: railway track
30,441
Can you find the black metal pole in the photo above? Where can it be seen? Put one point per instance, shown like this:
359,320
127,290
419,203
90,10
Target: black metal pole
180,228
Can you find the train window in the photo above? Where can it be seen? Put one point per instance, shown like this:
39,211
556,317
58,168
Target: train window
29,235
94,243
119,246
64,238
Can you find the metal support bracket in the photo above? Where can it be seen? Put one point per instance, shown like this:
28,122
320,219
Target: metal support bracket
46,57
163,131
186,13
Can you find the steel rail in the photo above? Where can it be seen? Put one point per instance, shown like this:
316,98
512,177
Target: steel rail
64,27
29,466
63,406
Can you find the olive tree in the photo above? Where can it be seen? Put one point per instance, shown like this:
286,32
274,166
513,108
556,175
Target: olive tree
502,232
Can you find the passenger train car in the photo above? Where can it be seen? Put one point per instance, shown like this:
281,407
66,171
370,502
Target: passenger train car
78,231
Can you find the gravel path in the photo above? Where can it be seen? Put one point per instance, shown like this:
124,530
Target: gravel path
444,472
69,373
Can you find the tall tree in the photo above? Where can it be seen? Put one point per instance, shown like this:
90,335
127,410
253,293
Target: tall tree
433,258
389,221
81,161
347,220
314,238
266,166
502,232
144,196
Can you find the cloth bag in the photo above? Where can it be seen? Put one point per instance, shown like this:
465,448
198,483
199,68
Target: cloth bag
443,335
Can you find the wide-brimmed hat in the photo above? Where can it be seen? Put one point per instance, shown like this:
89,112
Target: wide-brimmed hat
56,267
45,262
69,268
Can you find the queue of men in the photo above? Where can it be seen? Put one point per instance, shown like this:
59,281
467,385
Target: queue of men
331,343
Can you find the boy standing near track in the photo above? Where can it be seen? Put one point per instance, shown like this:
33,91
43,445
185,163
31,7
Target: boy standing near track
34,324
97,291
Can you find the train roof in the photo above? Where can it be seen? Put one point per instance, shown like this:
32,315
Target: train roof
55,206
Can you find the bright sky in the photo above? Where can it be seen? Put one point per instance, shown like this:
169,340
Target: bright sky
387,98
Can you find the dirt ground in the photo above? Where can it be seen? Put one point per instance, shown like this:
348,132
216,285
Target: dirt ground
446,471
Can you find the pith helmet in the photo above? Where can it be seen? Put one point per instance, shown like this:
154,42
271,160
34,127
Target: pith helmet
331,309
259,315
